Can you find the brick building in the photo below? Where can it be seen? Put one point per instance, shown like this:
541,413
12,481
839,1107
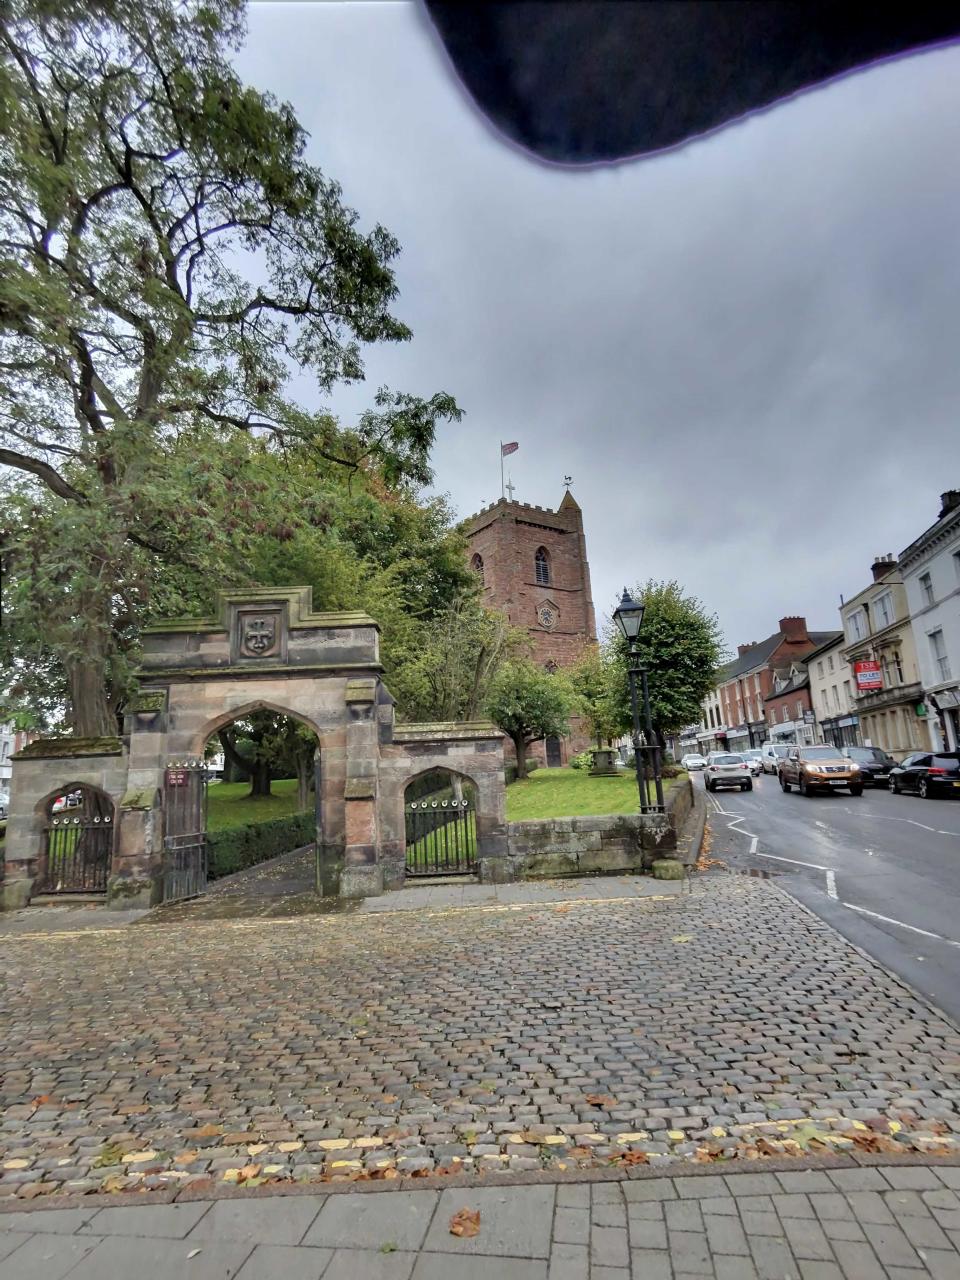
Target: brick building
744,685
533,565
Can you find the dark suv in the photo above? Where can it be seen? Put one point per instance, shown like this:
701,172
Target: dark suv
935,774
875,765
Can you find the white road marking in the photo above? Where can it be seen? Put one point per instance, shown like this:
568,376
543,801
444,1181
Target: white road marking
794,861
912,822
901,925
831,884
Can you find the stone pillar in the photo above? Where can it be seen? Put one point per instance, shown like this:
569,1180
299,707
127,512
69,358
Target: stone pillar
137,876
362,874
494,863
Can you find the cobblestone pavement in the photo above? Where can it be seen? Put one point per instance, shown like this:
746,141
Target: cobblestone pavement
725,1022
896,1223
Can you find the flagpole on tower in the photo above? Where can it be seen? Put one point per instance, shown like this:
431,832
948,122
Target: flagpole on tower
501,469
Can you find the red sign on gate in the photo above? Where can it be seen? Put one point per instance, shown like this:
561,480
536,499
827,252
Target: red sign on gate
177,777
868,674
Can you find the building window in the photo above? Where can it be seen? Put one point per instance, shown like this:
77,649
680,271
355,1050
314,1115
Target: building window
847,699
824,699
756,683
541,563
820,670
939,650
926,588
956,564
476,564
784,713
883,610
856,630
830,662
836,697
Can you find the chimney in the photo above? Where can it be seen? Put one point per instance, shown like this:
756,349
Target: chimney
742,649
794,629
949,501
882,565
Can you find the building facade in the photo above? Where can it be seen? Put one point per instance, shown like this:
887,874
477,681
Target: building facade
833,695
931,575
879,647
788,709
735,714
532,562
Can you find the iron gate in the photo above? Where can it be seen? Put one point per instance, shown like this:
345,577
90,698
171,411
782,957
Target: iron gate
77,854
441,837
184,827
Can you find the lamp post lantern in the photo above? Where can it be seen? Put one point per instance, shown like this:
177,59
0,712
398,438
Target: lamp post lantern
646,754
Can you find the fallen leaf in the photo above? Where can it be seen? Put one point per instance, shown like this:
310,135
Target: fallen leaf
139,1157
40,1099
465,1222
255,1148
682,937
186,1157
289,1146
209,1130
193,1253
600,1100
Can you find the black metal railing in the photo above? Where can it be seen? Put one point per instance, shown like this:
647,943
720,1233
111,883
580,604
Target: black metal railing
76,855
184,825
441,838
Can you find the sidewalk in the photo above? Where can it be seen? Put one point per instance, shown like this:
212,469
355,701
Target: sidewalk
893,1222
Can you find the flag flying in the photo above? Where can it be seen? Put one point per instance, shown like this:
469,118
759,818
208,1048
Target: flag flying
512,447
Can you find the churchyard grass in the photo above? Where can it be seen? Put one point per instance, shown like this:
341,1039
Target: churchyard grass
572,793
229,804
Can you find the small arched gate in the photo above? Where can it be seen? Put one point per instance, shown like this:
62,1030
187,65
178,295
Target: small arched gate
440,821
184,828
78,836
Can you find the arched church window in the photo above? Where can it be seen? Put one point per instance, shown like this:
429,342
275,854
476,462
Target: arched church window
542,566
476,564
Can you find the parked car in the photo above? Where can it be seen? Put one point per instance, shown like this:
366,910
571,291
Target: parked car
724,769
771,753
754,759
928,774
69,801
692,761
875,765
812,769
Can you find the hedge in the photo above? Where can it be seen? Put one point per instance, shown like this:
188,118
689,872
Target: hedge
240,847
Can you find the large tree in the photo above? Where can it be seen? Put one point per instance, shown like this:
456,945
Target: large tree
528,704
594,680
681,646
169,260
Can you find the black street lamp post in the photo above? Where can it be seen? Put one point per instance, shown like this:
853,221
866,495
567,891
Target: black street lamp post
628,617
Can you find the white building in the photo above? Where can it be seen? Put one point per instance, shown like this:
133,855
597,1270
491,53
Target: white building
931,574
833,694
8,738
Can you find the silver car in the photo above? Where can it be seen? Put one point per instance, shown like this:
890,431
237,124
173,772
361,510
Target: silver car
724,769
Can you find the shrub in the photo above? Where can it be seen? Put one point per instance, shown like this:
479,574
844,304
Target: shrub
671,770
583,761
240,847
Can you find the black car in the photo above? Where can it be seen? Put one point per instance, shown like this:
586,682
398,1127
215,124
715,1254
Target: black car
875,765
933,774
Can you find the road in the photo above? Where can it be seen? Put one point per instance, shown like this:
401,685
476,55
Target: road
883,869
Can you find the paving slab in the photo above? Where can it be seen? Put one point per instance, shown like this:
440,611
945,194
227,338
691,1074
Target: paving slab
437,1267
373,1222
46,1257
280,1220
284,1262
514,1222
166,1220
120,1257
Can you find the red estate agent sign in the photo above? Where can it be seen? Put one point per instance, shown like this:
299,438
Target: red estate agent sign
868,674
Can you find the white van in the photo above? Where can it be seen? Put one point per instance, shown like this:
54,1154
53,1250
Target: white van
771,753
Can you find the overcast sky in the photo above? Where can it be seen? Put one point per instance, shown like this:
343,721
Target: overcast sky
745,352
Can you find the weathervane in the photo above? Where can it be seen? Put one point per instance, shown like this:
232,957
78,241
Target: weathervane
568,481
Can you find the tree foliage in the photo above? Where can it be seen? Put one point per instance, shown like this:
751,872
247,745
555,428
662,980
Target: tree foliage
593,679
681,646
169,261
528,704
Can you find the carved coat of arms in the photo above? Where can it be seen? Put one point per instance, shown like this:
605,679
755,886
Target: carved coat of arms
259,635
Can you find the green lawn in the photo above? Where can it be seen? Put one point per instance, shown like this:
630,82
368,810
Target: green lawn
572,793
229,804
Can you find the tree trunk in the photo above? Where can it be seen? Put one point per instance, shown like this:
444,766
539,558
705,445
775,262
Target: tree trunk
90,714
260,779
242,766
520,747
304,770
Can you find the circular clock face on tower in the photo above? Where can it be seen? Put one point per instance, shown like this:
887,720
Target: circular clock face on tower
547,616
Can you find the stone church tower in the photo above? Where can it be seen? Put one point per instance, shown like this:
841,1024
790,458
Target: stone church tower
533,564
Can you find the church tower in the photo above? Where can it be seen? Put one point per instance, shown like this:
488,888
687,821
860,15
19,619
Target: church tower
533,565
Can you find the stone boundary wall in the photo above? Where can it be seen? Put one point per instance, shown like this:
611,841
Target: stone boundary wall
614,842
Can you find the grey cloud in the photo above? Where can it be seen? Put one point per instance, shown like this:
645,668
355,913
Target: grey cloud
744,351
